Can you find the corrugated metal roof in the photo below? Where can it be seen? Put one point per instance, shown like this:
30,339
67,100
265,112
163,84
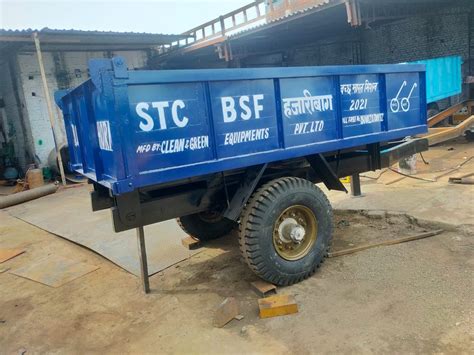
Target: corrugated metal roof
84,37
47,30
287,16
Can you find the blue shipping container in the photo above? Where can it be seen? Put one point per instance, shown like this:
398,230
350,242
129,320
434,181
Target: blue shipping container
443,77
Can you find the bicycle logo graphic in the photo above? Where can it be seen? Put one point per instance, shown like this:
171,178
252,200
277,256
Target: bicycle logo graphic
402,103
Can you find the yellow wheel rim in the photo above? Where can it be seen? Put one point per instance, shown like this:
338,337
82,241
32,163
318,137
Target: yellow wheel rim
295,232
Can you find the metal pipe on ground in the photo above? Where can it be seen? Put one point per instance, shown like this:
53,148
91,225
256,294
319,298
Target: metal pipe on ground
386,242
24,196
463,181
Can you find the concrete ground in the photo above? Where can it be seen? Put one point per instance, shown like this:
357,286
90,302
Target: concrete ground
436,201
408,298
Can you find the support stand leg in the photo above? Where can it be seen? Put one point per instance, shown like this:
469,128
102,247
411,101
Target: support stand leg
355,185
143,259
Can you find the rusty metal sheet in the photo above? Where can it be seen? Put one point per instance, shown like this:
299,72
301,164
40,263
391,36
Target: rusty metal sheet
68,214
7,254
54,271
263,288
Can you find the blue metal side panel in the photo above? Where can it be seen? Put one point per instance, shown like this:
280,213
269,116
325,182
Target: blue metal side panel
361,106
244,114
70,125
308,110
91,130
104,130
142,128
84,130
171,125
403,100
443,77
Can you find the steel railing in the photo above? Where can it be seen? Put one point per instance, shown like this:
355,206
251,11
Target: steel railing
216,30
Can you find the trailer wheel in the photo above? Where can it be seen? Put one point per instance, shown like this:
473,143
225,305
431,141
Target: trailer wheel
286,230
206,225
469,136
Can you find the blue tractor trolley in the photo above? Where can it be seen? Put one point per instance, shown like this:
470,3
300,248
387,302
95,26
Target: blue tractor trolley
227,147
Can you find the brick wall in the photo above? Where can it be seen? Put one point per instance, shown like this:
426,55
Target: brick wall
63,70
471,53
339,51
422,37
437,35
471,43
449,32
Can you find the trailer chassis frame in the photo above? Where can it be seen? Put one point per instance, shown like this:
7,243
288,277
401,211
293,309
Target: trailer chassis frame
133,211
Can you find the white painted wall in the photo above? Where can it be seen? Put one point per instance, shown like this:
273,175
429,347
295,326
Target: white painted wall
30,84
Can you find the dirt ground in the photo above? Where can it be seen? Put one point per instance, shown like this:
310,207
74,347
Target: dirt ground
412,298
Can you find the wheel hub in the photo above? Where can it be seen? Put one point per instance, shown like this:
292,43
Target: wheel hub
295,232
290,230
210,216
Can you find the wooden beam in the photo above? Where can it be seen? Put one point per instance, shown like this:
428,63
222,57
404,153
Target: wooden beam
49,105
442,135
449,112
278,305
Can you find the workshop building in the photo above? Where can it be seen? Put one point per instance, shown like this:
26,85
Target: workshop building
331,32
26,134
260,34
304,186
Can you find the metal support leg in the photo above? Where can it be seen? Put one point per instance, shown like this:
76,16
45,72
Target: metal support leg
355,185
143,259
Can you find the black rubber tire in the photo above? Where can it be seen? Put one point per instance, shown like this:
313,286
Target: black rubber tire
469,136
433,109
203,230
256,230
431,112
